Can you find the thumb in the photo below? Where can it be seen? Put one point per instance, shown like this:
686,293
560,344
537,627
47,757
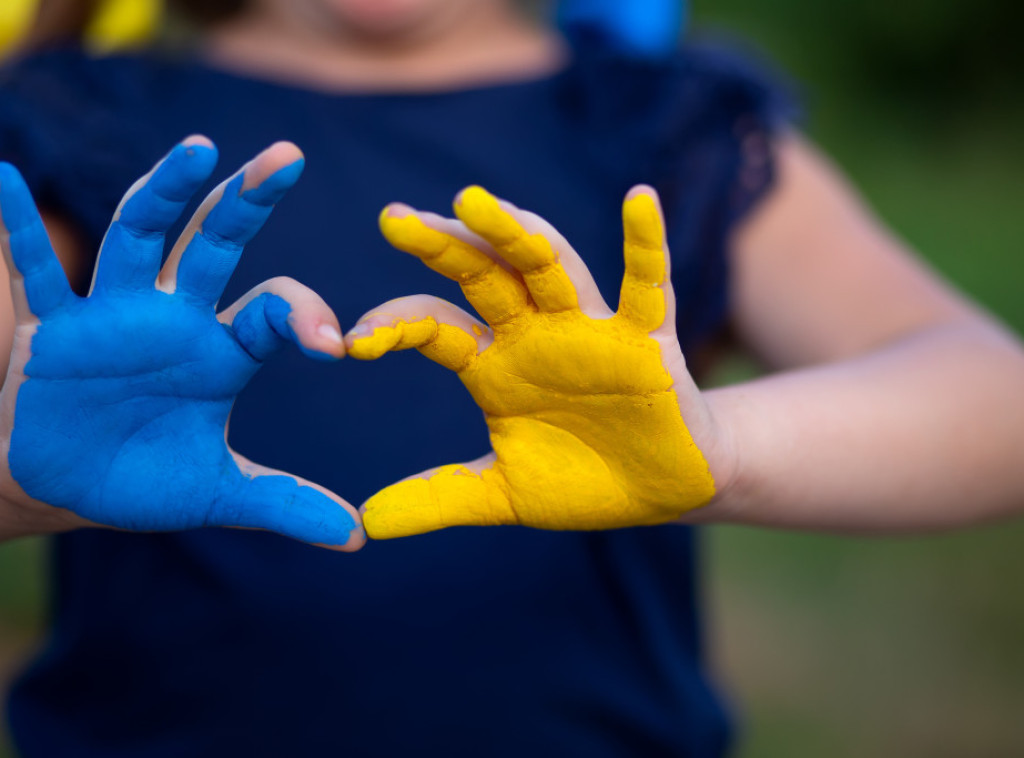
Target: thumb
454,495
262,498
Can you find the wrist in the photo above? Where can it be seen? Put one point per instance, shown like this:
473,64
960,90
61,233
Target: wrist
722,452
21,516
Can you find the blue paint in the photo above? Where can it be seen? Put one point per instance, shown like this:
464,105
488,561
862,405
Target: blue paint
45,285
134,245
211,257
262,328
645,28
122,415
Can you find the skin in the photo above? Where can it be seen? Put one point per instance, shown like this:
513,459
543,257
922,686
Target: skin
162,410
396,45
894,405
903,419
583,404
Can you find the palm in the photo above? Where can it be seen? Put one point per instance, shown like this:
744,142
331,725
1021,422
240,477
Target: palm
584,417
163,410
585,400
117,404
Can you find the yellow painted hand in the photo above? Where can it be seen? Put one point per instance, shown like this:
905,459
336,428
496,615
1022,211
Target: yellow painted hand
584,406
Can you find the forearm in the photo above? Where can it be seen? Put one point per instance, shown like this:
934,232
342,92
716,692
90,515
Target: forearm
924,433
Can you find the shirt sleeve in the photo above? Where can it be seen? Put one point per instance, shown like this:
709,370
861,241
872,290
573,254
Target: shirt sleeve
699,127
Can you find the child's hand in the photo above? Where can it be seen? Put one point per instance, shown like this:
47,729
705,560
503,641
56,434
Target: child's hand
116,404
585,407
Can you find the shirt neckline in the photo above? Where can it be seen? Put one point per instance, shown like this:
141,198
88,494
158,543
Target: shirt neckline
197,63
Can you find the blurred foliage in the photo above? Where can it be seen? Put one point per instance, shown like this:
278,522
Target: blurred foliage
916,55
838,646
22,600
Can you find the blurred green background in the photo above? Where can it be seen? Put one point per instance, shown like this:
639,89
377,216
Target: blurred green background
890,647
833,646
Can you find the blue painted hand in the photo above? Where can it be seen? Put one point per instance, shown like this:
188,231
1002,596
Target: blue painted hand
116,404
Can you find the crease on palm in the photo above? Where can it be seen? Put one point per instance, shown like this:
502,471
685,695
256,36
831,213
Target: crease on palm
583,416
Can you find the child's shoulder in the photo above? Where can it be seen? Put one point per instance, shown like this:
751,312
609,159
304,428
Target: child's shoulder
69,122
696,85
67,70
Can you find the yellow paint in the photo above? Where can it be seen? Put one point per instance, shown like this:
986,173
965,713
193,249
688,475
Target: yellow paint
443,343
495,293
531,254
583,418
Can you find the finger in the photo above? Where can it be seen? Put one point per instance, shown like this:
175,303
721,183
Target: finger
496,294
646,299
533,247
38,283
205,255
281,311
441,331
268,499
134,244
456,495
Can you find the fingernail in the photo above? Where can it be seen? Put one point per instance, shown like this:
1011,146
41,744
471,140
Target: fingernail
330,332
359,331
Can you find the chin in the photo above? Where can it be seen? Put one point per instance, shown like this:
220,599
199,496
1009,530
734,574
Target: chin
383,18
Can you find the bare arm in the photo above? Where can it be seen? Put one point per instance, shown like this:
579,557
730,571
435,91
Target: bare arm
899,405
896,406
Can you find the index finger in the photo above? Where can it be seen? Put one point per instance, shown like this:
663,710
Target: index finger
207,252
496,294
531,254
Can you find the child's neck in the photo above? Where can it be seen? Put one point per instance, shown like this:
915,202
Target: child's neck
489,46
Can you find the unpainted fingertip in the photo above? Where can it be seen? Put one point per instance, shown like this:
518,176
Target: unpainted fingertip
641,189
326,349
197,140
356,540
394,211
330,344
285,145
270,189
330,333
359,331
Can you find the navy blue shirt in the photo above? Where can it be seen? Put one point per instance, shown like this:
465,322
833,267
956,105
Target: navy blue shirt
496,641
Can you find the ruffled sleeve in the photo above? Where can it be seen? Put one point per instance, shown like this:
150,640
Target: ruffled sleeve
698,127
